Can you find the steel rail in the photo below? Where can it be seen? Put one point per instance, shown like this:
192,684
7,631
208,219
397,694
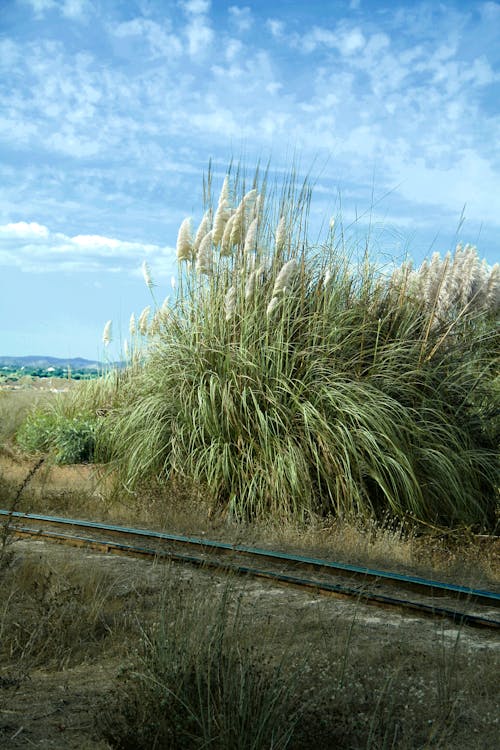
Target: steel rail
424,584
321,586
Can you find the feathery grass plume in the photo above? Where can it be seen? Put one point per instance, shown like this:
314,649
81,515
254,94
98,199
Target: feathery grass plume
470,275
470,281
248,264
203,229
237,226
280,241
126,350
245,206
132,326
285,277
399,280
230,302
106,334
259,204
327,276
184,241
226,246
492,293
173,282
224,193
449,286
272,305
434,280
155,325
205,256
251,282
457,272
222,214
249,199
483,276
142,323
146,272
251,237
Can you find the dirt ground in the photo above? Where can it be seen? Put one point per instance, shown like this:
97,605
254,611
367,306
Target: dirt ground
433,682
55,707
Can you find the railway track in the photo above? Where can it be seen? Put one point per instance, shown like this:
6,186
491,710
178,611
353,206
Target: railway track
461,604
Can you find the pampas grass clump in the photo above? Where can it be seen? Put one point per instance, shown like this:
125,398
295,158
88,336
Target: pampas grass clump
456,284
364,395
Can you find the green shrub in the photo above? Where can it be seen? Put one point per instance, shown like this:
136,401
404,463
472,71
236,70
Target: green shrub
70,439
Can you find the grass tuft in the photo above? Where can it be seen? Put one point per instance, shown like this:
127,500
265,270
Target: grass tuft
201,684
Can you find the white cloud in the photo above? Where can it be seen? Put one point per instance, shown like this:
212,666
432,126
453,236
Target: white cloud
315,38
199,36
242,17
273,87
233,49
24,230
196,7
276,27
39,7
346,41
351,41
375,94
198,30
471,181
9,53
160,41
31,246
490,11
75,9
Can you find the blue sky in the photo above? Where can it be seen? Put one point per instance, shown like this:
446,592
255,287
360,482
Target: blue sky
110,111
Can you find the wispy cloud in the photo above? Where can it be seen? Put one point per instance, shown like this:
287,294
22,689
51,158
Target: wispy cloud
76,10
32,247
367,89
347,41
40,7
107,134
241,17
198,30
156,37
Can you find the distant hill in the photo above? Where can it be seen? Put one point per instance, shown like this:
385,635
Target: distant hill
75,363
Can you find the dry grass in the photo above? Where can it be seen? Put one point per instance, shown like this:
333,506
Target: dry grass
91,492
98,629
54,615
15,406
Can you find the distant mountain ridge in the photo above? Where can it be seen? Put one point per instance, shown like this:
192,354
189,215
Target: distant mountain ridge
76,363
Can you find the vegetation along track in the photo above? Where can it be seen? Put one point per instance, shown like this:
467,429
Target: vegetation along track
430,598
